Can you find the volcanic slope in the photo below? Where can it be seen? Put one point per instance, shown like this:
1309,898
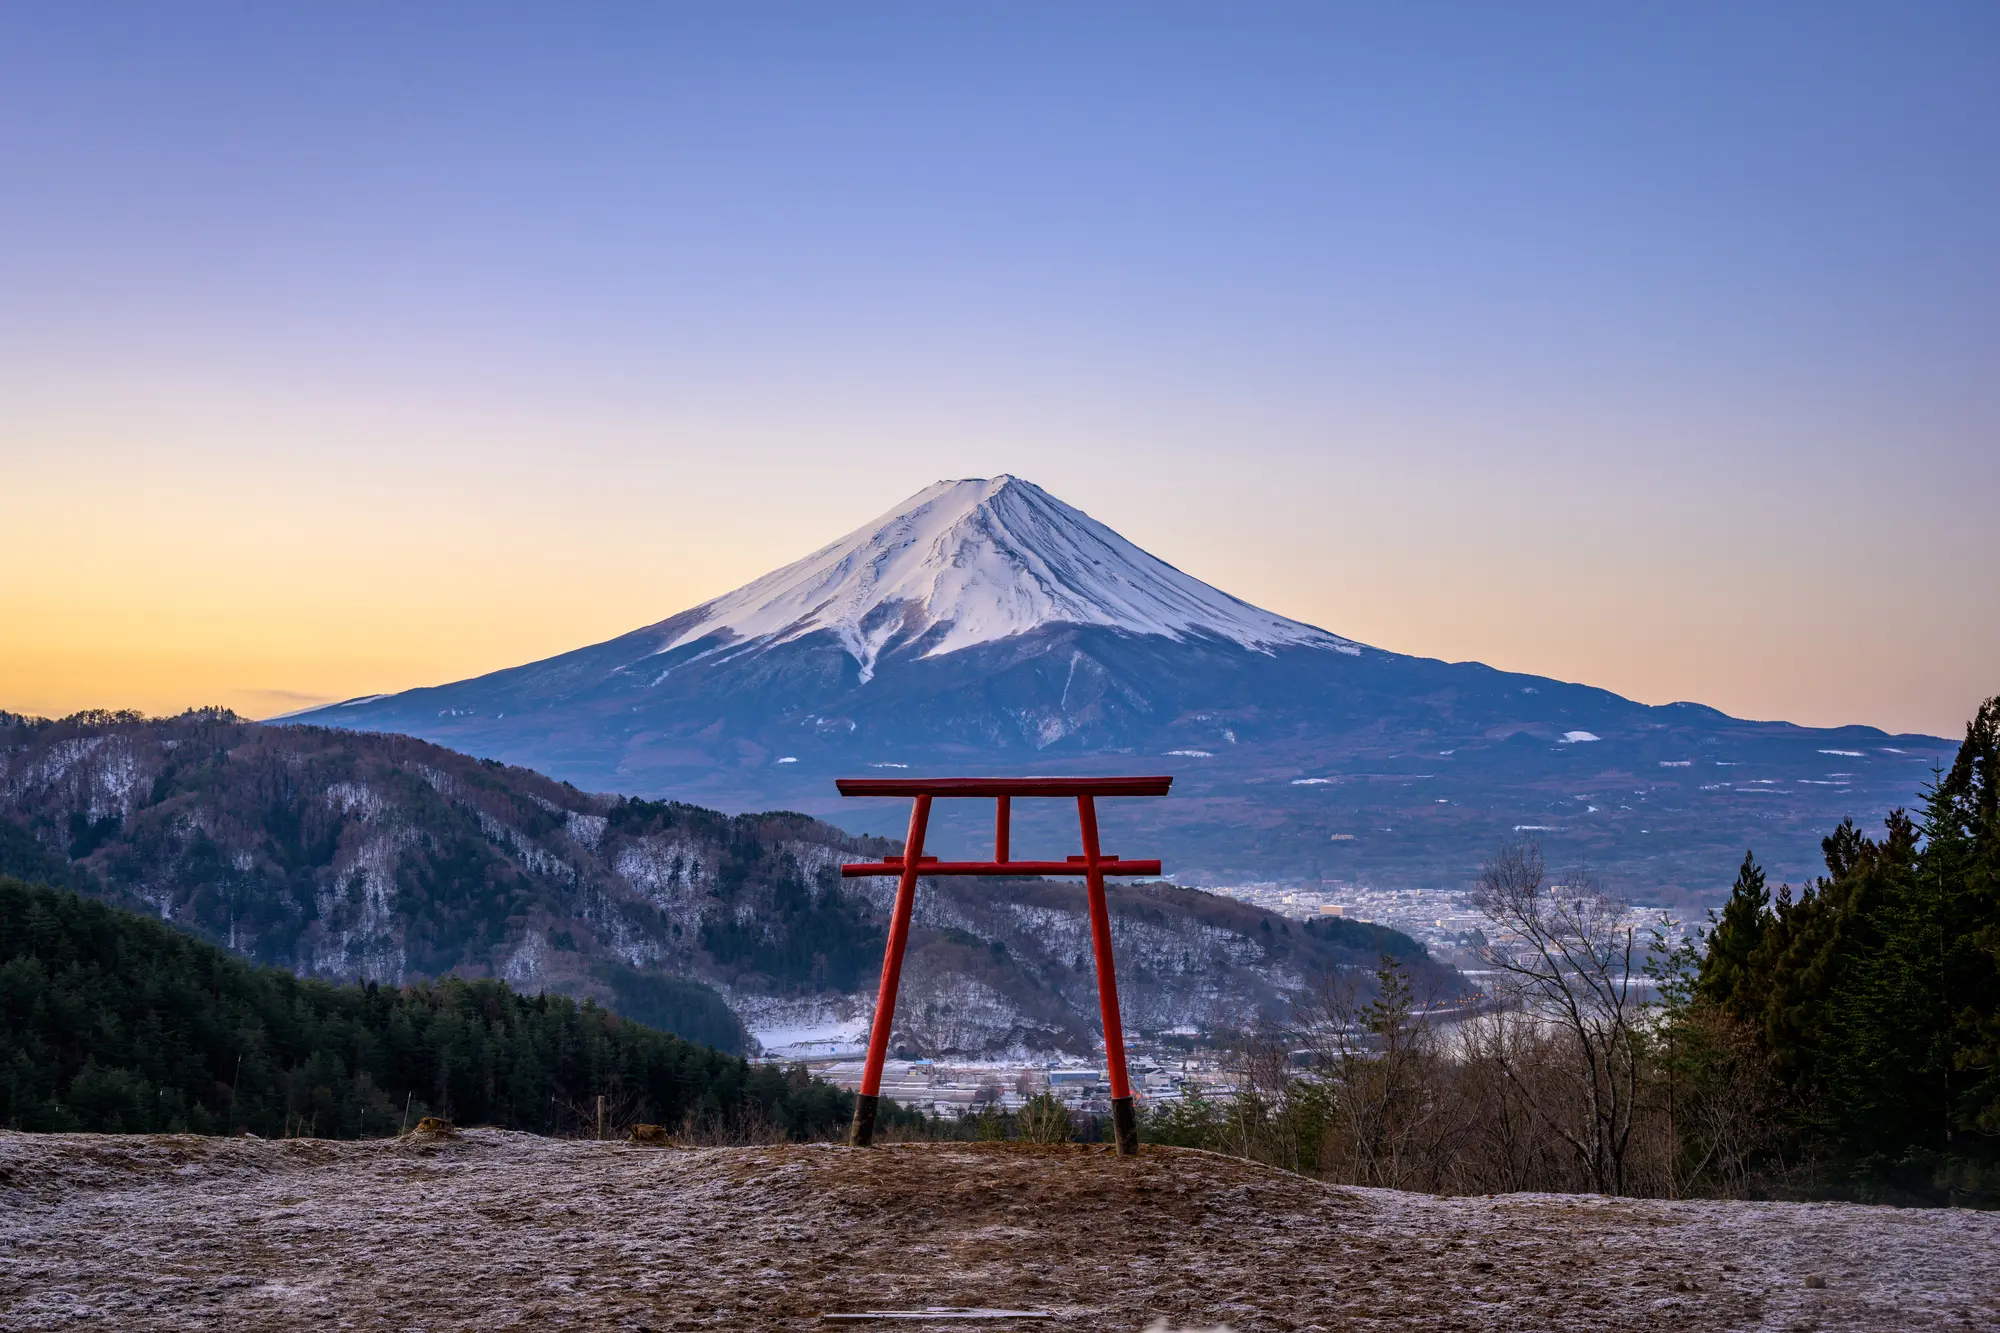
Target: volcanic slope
985,626
498,1230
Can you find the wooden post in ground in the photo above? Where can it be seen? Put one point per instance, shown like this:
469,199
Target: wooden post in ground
600,1115
1124,1119
862,1133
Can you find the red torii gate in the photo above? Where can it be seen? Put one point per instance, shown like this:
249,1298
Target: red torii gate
1093,865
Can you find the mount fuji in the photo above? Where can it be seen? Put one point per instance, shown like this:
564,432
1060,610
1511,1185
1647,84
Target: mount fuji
972,562
985,626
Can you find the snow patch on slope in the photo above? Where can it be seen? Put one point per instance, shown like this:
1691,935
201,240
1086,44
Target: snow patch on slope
974,561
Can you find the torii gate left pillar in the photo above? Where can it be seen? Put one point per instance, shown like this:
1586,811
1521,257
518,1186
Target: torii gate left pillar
1093,865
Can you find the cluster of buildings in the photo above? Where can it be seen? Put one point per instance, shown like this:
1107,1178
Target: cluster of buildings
1444,921
960,1088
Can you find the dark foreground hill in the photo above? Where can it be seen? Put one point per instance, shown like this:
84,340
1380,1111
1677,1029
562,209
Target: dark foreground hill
117,1023
496,1230
359,857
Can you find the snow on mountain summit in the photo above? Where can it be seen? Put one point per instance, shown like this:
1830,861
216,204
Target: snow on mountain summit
977,560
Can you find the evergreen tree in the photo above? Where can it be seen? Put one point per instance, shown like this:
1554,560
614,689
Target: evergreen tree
1876,991
1733,939
1882,1047
1962,854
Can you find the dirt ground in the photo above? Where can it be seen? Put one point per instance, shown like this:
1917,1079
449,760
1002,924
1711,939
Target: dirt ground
495,1231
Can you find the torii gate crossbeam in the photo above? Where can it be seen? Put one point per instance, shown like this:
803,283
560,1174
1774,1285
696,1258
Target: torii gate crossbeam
1093,865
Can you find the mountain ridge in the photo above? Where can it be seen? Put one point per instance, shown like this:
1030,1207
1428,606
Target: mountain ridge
359,857
1302,756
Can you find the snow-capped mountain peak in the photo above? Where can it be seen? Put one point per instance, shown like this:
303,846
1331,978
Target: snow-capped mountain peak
977,560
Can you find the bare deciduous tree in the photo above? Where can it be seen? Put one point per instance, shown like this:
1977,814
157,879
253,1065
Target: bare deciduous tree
1393,1118
1565,955
1569,1077
1043,1119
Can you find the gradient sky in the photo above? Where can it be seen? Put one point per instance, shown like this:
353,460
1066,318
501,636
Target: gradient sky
349,348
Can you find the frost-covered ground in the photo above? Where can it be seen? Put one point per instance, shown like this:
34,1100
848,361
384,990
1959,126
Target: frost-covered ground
496,1230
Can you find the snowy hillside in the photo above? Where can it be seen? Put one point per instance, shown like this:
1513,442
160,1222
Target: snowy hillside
969,562
385,859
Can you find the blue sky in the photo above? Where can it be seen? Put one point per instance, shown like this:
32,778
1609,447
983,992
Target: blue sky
1656,350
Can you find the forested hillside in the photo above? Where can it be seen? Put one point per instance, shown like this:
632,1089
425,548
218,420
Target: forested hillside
1874,992
115,1023
360,857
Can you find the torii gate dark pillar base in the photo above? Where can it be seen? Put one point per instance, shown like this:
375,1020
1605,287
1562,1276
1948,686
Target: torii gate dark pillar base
861,1133
1125,1126
1093,865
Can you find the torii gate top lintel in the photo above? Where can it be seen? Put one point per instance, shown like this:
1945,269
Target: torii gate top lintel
1093,865
950,787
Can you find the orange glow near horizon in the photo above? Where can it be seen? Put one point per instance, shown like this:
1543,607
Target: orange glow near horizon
346,349
164,563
